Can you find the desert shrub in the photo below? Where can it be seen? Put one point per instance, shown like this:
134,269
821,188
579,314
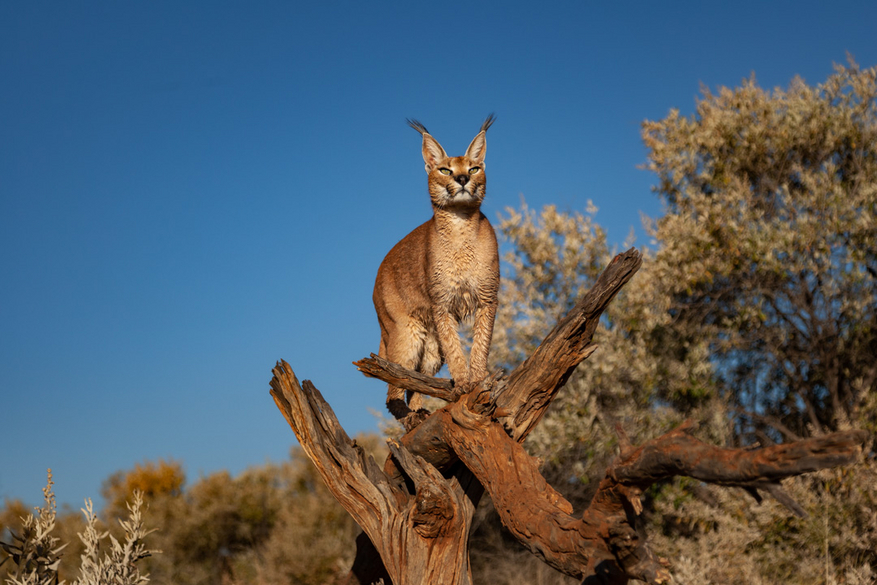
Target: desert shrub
34,553
272,524
153,479
724,537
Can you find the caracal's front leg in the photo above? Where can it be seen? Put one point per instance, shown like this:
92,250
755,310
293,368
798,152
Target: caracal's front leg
446,326
482,333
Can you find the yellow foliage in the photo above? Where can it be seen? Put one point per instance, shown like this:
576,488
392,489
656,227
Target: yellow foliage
152,479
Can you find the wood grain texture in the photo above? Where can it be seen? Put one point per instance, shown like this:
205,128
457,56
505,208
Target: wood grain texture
417,536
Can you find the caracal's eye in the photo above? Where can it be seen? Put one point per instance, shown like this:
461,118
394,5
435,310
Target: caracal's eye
474,170
445,171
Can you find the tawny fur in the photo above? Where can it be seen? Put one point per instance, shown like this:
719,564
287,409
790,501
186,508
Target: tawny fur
444,271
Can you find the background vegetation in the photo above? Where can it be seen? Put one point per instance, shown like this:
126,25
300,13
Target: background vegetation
754,313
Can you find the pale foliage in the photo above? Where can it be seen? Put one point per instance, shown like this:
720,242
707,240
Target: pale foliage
552,258
768,246
36,554
118,564
726,537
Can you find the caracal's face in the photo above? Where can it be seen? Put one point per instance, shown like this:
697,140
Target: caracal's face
457,182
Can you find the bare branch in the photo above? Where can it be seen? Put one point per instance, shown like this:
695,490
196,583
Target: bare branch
375,366
678,453
532,385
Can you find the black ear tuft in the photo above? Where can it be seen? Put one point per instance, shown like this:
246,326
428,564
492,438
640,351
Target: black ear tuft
487,123
417,126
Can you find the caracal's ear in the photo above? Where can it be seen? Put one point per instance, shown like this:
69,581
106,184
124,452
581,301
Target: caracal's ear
478,148
432,150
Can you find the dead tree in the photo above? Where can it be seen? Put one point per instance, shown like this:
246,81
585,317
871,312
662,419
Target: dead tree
417,509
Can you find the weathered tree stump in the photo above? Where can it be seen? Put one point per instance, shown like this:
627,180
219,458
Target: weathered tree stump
417,510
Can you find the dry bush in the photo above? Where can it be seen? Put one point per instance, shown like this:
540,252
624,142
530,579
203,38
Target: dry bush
34,553
717,536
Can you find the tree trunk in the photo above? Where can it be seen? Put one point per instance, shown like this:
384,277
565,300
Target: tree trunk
417,510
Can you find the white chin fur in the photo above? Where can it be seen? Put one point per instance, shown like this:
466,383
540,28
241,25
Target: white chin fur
460,198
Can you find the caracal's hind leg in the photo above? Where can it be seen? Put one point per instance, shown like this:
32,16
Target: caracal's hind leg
404,347
430,363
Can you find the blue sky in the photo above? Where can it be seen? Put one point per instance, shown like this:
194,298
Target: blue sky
191,191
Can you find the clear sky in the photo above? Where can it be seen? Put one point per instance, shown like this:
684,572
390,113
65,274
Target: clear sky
191,191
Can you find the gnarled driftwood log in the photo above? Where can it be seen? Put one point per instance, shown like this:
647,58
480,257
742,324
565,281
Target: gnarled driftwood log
417,510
